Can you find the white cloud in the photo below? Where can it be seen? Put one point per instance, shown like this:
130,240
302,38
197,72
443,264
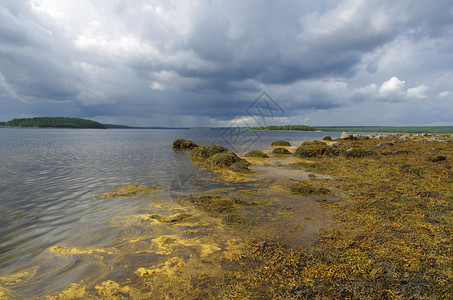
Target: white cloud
393,87
417,92
444,94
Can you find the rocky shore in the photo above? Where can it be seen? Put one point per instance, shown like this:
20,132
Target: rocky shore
390,200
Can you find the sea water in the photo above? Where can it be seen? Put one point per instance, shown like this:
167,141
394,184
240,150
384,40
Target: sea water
49,179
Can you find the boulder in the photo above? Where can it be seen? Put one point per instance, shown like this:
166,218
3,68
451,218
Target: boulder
225,160
240,167
306,188
204,152
310,150
327,138
333,144
384,144
182,144
280,143
346,136
281,151
257,153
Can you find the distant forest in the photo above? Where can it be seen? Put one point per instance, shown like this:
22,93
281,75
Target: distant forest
286,128
54,122
390,129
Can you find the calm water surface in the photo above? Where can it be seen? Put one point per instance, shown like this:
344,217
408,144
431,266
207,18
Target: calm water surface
49,178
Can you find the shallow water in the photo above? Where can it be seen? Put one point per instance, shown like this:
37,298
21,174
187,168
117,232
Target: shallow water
53,232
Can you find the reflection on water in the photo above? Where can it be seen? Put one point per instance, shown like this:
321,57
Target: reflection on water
56,238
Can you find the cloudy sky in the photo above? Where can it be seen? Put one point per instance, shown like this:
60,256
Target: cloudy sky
203,63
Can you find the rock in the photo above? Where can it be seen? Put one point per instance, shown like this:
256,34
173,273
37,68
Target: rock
327,138
257,153
182,144
333,144
310,150
346,136
240,167
204,152
402,140
225,160
384,144
281,151
306,188
306,143
357,153
437,158
280,143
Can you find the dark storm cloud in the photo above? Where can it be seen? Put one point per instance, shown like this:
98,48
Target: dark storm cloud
213,58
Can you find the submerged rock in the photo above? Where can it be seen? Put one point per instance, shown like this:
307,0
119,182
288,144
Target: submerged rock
214,204
280,143
240,167
280,151
182,144
204,152
257,153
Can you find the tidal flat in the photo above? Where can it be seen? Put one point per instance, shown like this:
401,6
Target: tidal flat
368,218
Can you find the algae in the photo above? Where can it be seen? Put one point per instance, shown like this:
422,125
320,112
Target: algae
280,143
129,191
392,233
182,144
225,160
204,152
256,153
306,188
281,151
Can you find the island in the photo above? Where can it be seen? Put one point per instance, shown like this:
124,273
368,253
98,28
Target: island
54,122
286,128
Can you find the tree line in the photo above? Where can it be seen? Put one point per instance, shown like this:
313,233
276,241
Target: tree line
286,128
54,122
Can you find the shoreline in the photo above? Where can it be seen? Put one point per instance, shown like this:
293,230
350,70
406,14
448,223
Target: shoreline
365,218
391,188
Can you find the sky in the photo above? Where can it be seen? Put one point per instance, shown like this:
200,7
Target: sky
206,63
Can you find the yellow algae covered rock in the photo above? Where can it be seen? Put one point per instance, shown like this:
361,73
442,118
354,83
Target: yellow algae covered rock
174,219
204,152
111,290
182,144
129,191
306,188
281,151
280,143
225,160
257,153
